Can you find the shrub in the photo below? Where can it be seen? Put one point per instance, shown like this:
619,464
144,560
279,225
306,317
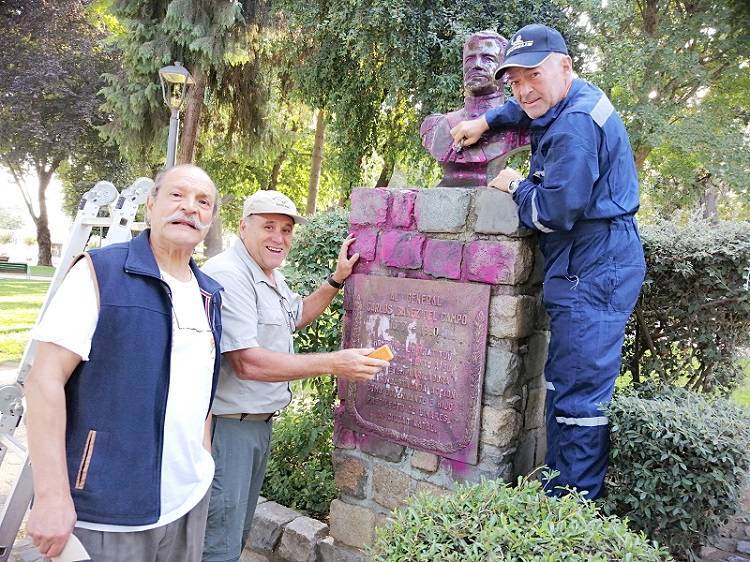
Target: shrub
694,313
677,464
311,260
495,521
300,468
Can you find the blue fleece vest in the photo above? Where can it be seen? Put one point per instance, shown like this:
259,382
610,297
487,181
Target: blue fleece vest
116,401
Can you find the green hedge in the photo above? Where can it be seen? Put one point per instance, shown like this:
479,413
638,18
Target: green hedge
693,318
494,521
678,462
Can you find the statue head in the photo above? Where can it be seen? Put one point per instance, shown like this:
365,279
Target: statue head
483,55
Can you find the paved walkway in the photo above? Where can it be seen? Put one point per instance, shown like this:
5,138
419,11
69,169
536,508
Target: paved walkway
733,542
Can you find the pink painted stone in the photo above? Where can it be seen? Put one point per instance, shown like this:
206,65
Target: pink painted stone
489,262
369,267
365,244
344,438
369,206
401,249
402,208
442,258
415,274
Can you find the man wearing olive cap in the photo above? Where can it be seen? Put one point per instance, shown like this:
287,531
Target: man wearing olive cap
259,315
581,195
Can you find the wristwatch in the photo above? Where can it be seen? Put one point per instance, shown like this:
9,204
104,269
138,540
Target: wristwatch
512,186
333,283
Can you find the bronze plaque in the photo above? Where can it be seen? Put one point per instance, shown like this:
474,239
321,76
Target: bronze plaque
430,396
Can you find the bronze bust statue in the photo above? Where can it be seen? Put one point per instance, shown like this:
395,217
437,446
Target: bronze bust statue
473,165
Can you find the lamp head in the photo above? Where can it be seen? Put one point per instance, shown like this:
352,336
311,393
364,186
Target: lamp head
175,80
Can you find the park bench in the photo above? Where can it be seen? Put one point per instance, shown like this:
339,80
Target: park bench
14,267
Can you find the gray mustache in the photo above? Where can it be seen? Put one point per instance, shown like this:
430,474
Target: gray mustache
193,220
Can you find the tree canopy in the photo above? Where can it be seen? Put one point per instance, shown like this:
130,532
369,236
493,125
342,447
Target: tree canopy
51,60
678,72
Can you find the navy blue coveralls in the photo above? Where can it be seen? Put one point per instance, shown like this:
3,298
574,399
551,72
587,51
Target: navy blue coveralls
581,195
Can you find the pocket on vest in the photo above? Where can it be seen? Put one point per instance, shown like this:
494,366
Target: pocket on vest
91,457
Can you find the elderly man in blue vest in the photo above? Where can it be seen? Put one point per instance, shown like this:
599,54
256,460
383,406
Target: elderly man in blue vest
580,196
121,387
260,314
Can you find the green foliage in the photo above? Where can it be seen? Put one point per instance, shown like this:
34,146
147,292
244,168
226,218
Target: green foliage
282,163
217,40
311,261
693,318
678,73
494,521
678,462
300,467
10,218
379,67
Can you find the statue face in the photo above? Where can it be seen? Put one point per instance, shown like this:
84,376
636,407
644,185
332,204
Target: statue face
482,57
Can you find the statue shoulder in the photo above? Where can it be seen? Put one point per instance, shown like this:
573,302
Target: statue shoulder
456,117
430,122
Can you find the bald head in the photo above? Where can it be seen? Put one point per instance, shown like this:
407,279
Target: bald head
185,172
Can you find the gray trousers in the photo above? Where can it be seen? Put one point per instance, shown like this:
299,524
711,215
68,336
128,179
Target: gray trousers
240,450
180,540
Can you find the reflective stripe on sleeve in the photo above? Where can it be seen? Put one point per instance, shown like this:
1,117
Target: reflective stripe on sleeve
585,422
549,385
535,215
602,110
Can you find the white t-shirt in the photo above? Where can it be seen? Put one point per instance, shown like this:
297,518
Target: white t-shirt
187,467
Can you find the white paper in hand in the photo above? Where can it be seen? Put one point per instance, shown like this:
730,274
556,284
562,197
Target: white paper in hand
73,551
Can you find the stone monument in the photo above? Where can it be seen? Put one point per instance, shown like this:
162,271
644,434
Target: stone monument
451,281
474,165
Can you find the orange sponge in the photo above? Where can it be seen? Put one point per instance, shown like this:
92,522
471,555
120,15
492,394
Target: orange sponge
383,352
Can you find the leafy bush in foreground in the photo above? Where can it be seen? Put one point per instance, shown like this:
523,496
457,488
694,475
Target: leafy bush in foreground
495,521
300,467
678,462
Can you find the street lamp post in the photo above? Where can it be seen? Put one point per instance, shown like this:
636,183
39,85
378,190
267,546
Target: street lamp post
175,80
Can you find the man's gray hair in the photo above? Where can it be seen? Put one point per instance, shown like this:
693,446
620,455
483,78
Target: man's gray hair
159,182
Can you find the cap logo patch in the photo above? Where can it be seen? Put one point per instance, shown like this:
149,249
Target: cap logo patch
518,43
280,201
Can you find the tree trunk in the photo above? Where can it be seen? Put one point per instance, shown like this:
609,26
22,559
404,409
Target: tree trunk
641,154
273,180
385,174
43,239
710,201
213,243
193,108
317,163
650,13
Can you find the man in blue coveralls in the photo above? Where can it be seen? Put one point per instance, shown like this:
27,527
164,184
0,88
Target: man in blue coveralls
581,196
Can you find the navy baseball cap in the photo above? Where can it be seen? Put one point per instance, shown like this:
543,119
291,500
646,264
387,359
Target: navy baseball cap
530,46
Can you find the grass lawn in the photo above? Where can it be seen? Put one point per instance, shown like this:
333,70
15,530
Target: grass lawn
42,270
19,305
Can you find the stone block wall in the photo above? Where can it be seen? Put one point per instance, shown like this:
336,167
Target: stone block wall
465,235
